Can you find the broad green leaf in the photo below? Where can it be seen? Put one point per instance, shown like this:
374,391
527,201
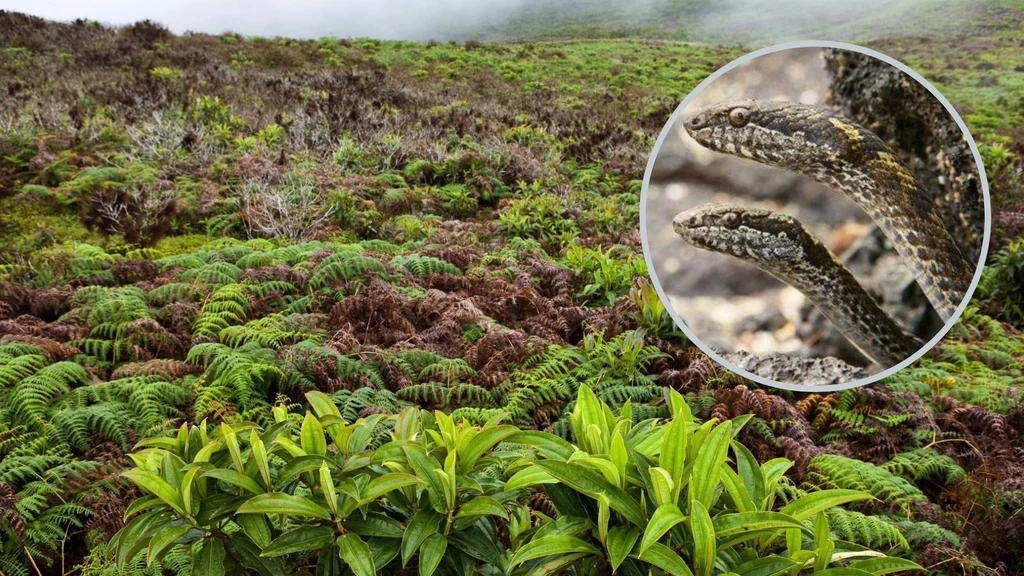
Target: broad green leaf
235,479
661,485
823,545
431,553
843,572
606,467
703,539
255,527
162,442
751,474
581,479
424,465
620,456
884,565
736,489
259,452
620,543
482,505
281,503
548,545
375,524
186,490
422,525
651,443
324,406
327,487
707,466
298,466
680,409
529,476
663,557
673,454
604,513
548,445
157,486
794,542
209,561
311,436
132,538
480,541
810,504
383,550
663,519
381,485
356,554
247,553
407,424
557,565
142,504
162,541
764,566
565,525
481,443
299,540
727,525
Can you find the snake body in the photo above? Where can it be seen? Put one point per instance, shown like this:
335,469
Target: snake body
816,142
779,245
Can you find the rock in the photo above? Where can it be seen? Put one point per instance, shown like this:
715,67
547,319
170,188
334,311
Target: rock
792,369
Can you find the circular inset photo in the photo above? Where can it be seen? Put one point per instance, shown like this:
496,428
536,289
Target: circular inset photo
815,216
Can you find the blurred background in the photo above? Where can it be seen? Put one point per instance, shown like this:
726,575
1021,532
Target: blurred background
729,304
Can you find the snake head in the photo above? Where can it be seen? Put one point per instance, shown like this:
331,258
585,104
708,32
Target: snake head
760,236
794,136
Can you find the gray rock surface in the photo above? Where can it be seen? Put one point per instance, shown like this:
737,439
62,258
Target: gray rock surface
792,369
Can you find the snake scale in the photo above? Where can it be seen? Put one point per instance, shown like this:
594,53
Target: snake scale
826,147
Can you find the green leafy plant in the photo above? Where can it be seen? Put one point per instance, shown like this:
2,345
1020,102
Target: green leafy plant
664,497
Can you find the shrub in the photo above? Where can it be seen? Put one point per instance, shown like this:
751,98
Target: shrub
164,73
375,494
664,498
1002,284
291,210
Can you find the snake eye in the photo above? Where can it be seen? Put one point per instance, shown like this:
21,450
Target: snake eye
739,117
731,220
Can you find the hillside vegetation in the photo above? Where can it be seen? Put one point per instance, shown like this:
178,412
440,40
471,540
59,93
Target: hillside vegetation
353,306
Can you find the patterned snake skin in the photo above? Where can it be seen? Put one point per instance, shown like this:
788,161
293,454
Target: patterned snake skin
814,141
779,245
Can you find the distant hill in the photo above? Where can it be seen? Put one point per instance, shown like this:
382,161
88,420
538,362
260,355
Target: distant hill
745,21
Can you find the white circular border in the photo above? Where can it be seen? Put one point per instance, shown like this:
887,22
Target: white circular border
650,263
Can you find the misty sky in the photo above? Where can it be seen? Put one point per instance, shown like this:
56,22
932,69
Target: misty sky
707,20
387,19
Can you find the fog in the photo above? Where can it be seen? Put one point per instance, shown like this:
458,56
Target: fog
746,21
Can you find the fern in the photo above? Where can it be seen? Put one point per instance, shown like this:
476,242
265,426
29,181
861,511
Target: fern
925,464
875,532
355,404
226,306
236,382
268,332
833,471
174,292
346,266
420,265
215,273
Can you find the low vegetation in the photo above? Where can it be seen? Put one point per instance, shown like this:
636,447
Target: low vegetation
349,306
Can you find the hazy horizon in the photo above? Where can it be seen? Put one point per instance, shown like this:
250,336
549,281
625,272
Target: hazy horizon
419,20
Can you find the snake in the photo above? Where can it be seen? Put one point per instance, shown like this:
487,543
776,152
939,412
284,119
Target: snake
826,147
818,143
778,244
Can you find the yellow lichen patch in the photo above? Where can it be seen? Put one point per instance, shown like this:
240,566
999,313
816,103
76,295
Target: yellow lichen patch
851,132
895,166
